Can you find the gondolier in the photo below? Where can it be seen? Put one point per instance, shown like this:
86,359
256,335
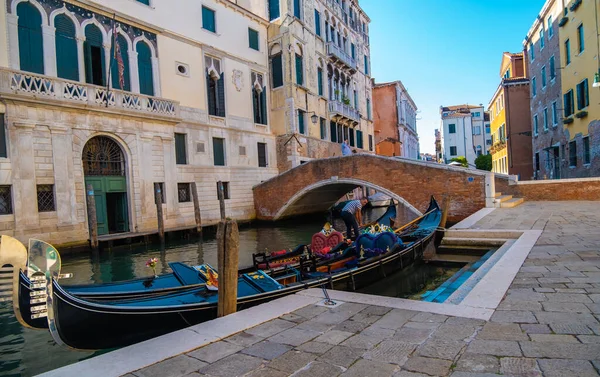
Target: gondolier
352,216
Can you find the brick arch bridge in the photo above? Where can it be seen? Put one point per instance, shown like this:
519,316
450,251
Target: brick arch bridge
314,186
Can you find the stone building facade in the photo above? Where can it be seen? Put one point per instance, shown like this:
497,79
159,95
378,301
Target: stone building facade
320,73
184,100
543,57
395,121
458,131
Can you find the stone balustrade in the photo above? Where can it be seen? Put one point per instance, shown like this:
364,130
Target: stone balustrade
336,52
346,111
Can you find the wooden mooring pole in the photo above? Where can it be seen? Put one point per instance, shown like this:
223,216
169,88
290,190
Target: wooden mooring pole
197,208
445,209
159,212
221,196
92,219
228,244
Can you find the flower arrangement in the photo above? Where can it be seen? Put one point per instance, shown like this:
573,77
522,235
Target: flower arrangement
377,228
152,264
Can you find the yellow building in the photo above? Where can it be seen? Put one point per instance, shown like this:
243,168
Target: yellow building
510,125
579,45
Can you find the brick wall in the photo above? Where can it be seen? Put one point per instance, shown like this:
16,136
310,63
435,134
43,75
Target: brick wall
414,181
551,190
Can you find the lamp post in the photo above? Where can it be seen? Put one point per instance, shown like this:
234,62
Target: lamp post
314,117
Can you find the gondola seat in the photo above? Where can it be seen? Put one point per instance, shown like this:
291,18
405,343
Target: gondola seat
382,241
321,241
186,275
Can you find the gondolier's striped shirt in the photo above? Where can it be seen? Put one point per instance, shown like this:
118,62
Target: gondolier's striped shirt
352,206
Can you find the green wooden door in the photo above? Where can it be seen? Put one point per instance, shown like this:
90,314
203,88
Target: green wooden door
110,191
100,198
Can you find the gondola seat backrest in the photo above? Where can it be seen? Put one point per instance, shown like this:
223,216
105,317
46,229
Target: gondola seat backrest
320,241
381,241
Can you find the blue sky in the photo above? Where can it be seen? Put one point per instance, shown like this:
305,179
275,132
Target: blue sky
446,52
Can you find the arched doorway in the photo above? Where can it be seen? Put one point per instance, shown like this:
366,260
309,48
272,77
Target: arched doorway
104,168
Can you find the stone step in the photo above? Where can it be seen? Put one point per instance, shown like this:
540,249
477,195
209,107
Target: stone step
482,233
473,241
503,198
511,203
497,194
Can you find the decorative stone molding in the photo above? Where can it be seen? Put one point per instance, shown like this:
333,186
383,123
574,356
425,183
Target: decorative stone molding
237,78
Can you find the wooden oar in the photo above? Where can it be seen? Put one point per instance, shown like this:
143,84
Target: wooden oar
412,222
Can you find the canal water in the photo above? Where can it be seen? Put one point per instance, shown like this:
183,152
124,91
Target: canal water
26,352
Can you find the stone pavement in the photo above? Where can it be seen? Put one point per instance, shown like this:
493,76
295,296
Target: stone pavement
548,323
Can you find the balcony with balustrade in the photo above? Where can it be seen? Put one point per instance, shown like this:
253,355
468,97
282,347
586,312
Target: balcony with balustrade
341,57
341,112
29,86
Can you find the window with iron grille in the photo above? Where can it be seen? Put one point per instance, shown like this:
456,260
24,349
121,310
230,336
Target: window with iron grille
5,200
183,192
45,198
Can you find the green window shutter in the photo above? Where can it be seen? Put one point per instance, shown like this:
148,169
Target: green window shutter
219,151
371,142
277,68
255,105
67,63
355,99
95,71
208,19
145,68
366,66
115,66
31,50
359,139
586,98
262,155
147,2
273,9
301,122
333,132
353,50
317,23
566,104
180,149
253,39
368,109
351,132
263,105
3,148
211,89
322,127
320,81
221,96
299,69
297,9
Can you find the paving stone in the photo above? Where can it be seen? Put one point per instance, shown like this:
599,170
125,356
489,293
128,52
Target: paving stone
544,290
395,319
519,366
502,331
315,326
215,351
364,368
174,367
362,341
524,295
292,361
565,318
513,316
267,350
334,337
294,337
234,365
553,338
315,347
390,351
571,290
429,317
351,326
589,339
333,318
472,362
432,367
293,318
270,328
422,325
520,305
571,328
342,356
562,368
469,374
243,339
310,311
378,332
376,310
567,307
319,369
554,350
594,308
412,335
461,321
266,372
454,332
366,318
595,297
441,348
495,347
566,297
405,373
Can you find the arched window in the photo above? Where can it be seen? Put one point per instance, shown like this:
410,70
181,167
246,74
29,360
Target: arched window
145,68
31,50
93,52
124,57
66,48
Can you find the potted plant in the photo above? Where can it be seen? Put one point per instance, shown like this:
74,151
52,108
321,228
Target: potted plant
575,5
345,100
563,21
581,114
568,120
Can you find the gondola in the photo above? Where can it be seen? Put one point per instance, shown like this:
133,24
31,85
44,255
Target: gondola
86,324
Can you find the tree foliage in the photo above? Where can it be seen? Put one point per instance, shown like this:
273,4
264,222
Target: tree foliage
484,162
462,160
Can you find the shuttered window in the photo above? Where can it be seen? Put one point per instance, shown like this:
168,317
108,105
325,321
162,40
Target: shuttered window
253,39
320,80
371,143
297,9
323,127
115,65
180,149
277,69
301,128
66,48
208,19
93,52
262,155
215,93
353,50
219,151
147,2
299,70
359,139
351,138
145,68
333,132
31,50
366,65
273,9
3,148
259,99
317,23
583,98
